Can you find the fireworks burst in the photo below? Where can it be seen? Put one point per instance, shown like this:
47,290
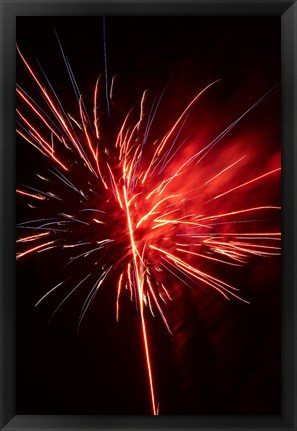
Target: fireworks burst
138,210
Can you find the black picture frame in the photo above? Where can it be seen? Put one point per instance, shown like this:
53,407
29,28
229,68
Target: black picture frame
287,10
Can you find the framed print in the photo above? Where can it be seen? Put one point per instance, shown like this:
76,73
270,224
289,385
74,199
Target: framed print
148,215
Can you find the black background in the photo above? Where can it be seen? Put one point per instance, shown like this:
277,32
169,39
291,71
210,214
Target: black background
230,360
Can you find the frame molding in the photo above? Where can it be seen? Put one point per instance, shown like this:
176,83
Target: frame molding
9,9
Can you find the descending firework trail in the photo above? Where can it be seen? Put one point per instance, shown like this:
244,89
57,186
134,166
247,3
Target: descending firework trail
132,210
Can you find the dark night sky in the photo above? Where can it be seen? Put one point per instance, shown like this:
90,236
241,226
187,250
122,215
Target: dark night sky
229,361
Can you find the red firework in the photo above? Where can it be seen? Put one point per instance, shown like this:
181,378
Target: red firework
147,211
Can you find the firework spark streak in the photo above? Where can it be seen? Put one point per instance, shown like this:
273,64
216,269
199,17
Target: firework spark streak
136,216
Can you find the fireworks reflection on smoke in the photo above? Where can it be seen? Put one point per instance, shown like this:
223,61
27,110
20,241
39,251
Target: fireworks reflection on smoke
144,212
